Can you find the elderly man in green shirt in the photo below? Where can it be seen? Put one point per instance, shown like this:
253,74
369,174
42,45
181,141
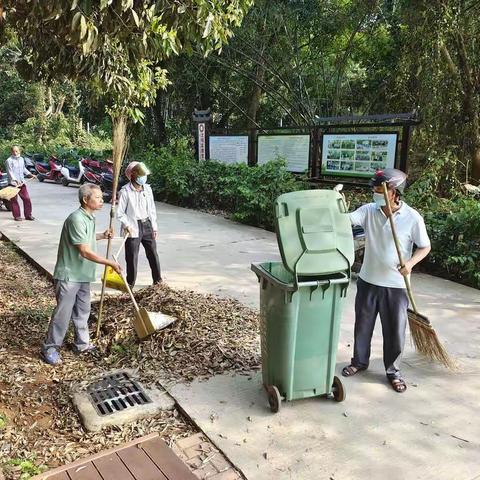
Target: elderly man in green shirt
74,270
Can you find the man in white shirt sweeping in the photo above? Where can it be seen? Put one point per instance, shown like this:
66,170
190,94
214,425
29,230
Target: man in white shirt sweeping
380,286
138,216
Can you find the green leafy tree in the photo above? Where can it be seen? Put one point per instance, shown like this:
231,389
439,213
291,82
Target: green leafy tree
117,46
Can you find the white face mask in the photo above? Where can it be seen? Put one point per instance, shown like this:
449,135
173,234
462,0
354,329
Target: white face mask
141,180
379,200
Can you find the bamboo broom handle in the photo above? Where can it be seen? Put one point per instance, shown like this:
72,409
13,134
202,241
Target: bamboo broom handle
397,246
129,290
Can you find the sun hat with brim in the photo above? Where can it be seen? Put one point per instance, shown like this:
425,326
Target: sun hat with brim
138,169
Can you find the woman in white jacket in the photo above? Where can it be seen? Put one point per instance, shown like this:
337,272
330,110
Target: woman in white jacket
137,214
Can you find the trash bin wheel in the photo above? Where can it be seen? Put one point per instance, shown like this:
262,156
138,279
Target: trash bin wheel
338,390
274,398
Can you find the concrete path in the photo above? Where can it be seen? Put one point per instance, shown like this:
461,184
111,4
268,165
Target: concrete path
430,432
197,251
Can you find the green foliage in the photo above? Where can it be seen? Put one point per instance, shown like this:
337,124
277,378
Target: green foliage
59,136
439,179
117,47
454,229
245,193
17,97
452,219
26,467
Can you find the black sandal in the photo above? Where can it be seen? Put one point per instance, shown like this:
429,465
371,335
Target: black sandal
351,370
398,384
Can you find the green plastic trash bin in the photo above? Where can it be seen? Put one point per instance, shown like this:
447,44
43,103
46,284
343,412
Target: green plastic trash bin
301,298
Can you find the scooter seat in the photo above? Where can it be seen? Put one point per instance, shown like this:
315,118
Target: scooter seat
73,170
46,166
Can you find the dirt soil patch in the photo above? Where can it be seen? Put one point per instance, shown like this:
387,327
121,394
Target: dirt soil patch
38,424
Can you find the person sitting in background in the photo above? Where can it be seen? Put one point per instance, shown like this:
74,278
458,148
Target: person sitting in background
74,270
137,213
16,171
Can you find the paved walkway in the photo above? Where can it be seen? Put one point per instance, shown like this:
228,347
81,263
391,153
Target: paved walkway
197,251
430,432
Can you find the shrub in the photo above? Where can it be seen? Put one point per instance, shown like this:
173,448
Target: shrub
454,229
245,193
452,219
59,136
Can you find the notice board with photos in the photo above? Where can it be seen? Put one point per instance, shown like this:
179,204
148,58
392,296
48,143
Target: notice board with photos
229,148
295,149
358,154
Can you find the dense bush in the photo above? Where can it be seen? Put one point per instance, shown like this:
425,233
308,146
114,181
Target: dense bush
452,217
454,229
245,193
56,135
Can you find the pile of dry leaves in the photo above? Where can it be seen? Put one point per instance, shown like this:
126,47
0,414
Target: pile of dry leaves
37,420
211,335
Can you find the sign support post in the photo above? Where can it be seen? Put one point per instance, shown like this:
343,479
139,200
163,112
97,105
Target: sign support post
202,118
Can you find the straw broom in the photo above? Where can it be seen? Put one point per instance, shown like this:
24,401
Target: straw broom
10,192
119,149
424,337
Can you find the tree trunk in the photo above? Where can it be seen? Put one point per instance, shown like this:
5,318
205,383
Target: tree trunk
255,97
42,118
476,162
60,104
51,106
158,120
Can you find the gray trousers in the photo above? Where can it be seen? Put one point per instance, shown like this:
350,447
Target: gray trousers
73,303
391,304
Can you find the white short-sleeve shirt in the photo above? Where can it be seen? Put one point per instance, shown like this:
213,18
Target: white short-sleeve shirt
380,262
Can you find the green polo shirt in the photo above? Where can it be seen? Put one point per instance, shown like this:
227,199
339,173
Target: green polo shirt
78,228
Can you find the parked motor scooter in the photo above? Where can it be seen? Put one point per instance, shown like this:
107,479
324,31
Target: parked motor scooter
71,174
31,159
91,176
107,185
97,166
49,171
29,164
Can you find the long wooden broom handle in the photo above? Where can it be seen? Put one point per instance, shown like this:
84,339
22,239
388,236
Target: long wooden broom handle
127,286
121,245
397,246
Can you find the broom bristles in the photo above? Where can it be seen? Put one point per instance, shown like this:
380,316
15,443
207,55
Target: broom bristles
8,193
426,341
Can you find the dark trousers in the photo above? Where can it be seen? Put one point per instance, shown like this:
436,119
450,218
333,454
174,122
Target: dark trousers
132,246
27,204
391,304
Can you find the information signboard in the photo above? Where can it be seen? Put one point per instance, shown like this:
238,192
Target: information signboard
358,155
295,149
201,141
229,148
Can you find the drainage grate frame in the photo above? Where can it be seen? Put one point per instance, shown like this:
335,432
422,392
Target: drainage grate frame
116,392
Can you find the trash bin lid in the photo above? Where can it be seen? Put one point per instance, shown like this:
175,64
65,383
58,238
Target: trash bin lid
314,232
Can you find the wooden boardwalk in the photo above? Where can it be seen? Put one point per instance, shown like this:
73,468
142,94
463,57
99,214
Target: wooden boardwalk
147,458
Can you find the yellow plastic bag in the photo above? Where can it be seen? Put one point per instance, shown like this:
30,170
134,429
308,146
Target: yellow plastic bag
114,280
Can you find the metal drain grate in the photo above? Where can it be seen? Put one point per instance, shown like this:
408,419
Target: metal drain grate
116,392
